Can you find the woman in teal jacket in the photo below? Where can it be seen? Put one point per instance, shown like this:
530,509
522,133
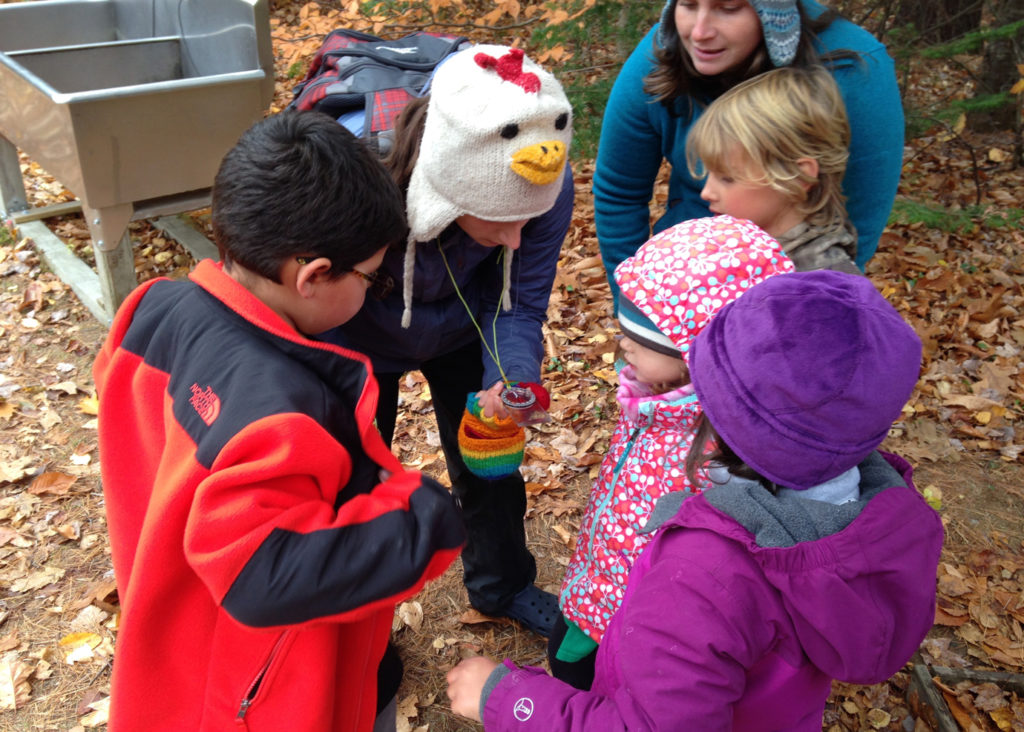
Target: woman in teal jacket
699,50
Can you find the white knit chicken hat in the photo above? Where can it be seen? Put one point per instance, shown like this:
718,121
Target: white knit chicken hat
495,142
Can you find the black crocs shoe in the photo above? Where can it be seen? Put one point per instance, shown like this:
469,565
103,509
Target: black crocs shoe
534,608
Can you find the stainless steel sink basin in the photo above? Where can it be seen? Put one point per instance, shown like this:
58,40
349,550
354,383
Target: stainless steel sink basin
130,104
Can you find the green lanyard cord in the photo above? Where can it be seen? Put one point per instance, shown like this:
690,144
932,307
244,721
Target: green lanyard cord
494,324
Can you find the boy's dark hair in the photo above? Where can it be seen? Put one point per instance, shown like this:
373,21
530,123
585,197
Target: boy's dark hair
300,184
720,453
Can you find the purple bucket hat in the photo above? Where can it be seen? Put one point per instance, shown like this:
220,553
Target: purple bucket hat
804,375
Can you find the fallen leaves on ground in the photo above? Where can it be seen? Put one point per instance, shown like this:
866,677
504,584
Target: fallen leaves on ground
963,291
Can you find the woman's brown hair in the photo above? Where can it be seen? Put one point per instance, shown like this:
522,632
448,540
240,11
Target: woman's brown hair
721,454
405,149
674,76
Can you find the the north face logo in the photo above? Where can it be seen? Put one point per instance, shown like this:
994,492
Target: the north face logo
206,403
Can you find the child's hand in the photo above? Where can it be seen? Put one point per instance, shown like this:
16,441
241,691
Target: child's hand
466,684
490,401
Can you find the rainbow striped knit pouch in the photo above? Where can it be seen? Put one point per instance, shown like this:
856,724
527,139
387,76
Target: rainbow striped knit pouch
491,448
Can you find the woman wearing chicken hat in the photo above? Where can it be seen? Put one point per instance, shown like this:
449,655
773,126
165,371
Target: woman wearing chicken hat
489,197
698,50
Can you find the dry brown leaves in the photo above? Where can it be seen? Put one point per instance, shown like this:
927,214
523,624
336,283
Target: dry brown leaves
963,295
982,706
297,28
53,562
983,601
961,291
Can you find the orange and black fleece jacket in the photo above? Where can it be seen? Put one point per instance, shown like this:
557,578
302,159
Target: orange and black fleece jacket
261,530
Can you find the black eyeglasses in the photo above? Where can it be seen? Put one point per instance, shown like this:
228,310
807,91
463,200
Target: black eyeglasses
380,283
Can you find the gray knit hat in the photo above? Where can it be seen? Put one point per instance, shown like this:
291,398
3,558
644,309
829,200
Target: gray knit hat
780,23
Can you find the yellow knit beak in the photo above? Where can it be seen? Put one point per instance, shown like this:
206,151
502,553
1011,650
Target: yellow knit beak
541,163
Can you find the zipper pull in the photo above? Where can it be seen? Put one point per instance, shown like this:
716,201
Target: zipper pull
243,708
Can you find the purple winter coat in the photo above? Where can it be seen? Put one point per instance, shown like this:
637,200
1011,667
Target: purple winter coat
719,632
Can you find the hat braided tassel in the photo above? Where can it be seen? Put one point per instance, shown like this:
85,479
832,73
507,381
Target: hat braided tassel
506,297
407,272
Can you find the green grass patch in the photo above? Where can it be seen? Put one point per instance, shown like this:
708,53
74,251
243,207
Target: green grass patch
6,235
962,220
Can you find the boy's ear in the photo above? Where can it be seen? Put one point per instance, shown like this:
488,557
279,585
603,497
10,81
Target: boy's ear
809,167
310,274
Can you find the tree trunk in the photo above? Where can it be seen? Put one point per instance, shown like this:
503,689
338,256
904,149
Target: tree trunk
939,21
999,69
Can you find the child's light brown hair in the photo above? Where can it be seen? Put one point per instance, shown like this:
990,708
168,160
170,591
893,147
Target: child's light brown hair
770,122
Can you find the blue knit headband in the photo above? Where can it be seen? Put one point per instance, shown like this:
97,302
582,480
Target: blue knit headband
642,329
780,24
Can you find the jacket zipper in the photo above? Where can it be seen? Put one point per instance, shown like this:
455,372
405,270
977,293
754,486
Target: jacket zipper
257,682
640,427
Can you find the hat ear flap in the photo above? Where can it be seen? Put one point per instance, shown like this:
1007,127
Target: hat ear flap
429,212
780,26
667,24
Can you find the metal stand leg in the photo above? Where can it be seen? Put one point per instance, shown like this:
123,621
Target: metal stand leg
116,270
68,267
12,188
115,263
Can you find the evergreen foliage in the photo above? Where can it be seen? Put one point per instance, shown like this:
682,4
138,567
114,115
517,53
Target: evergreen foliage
972,42
903,44
600,38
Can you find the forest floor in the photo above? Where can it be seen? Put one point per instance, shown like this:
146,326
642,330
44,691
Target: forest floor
962,289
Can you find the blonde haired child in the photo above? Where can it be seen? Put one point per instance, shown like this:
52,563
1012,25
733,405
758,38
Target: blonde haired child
669,289
774,150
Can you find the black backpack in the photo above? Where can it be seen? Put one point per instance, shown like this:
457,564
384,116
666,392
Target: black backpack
364,81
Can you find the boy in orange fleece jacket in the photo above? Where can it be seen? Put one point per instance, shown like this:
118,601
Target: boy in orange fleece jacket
261,530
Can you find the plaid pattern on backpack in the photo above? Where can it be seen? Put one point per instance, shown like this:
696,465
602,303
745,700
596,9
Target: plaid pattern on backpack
354,71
